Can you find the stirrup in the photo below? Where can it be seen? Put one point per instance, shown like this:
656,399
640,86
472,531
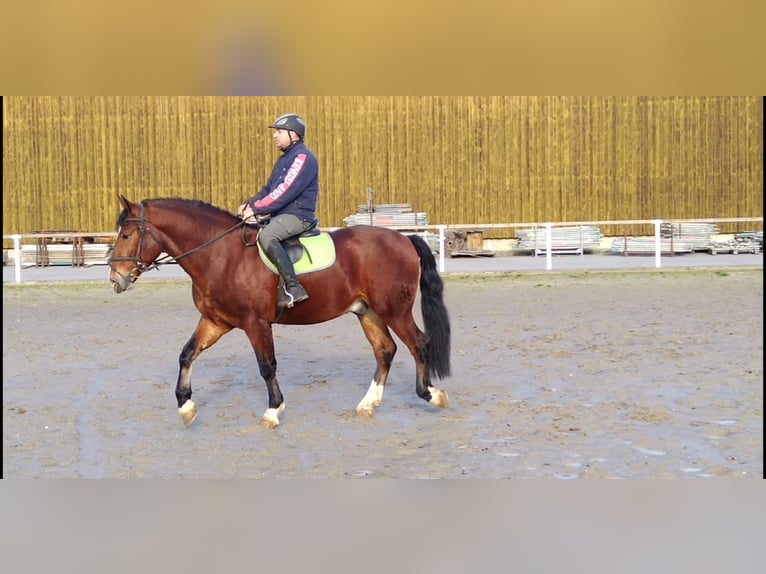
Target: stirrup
287,299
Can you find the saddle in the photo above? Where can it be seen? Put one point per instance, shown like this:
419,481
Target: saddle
295,249
311,250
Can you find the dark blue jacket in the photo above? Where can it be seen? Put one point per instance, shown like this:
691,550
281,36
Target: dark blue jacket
293,186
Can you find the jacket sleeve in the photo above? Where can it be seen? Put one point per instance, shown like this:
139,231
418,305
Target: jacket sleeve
295,181
264,190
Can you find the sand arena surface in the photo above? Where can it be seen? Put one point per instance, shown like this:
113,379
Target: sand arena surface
579,375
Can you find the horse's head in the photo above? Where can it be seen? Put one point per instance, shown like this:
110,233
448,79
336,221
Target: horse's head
135,248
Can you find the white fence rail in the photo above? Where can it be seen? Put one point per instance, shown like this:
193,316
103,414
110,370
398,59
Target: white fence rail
43,252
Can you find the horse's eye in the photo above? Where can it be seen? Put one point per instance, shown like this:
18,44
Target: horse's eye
126,235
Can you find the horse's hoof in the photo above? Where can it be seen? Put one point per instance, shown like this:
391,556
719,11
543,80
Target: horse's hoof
439,398
271,417
188,412
368,412
268,423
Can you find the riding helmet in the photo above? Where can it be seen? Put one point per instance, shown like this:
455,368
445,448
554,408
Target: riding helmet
290,122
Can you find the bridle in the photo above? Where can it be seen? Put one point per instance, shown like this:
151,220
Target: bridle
142,267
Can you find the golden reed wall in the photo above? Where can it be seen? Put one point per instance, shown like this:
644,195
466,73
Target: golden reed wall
461,159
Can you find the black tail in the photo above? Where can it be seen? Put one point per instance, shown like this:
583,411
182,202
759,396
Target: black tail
435,316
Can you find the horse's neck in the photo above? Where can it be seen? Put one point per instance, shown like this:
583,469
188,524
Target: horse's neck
185,236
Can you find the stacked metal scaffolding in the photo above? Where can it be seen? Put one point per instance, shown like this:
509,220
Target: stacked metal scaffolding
563,239
387,214
699,234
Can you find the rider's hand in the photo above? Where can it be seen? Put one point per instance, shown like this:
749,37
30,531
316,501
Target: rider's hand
245,211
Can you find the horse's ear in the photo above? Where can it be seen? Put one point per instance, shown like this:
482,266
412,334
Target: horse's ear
123,201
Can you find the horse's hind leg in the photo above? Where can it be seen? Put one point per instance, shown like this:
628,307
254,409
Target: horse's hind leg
384,347
205,335
417,342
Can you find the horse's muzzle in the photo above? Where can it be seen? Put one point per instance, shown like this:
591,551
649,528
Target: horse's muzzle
121,283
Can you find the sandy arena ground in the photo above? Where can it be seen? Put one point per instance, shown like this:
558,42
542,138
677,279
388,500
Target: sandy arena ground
652,374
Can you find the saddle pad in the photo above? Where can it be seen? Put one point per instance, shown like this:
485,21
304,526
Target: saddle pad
318,253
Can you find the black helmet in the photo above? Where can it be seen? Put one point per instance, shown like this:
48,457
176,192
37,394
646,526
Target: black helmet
290,122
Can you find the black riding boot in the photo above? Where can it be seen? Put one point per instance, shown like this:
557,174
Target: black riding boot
293,292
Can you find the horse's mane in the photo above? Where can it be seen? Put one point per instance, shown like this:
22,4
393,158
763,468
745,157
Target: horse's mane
180,203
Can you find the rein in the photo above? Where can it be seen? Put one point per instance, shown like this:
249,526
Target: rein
142,267
168,258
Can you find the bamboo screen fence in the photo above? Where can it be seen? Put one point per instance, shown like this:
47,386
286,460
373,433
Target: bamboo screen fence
460,159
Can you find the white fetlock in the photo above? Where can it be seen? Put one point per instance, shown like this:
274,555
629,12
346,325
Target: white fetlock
372,399
271,417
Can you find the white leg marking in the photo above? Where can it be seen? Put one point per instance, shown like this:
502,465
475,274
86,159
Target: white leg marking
271,416
372,399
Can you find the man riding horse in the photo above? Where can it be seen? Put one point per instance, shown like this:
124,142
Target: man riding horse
290,199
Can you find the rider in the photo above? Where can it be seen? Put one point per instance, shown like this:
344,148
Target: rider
290,199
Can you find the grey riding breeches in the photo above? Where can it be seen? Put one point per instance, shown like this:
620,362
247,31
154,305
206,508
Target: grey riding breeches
281,227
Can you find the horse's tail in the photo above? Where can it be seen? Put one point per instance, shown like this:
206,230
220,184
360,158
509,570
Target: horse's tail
435,316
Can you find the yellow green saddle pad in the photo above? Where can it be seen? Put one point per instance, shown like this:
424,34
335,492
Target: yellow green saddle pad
318,253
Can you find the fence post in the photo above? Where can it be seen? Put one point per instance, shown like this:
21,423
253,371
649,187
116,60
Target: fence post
17,257
442,246
548,246
657,244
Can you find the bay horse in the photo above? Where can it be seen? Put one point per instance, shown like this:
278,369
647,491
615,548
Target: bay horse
375,275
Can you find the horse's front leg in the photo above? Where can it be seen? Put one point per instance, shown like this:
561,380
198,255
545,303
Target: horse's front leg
262,339
205,336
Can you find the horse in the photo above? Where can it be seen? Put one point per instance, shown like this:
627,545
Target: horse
375,274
